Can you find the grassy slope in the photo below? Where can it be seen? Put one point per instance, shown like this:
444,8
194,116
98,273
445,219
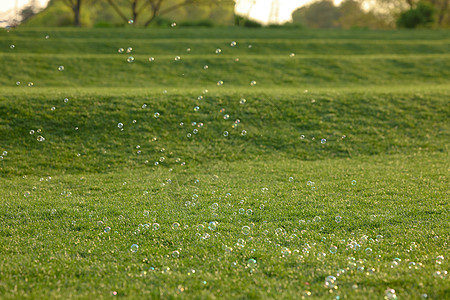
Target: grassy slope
387,92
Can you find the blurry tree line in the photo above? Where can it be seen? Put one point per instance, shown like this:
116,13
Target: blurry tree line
374,14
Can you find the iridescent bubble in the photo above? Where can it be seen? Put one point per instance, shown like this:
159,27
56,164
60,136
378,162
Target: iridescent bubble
40,138
317,219
61,68
130,59
440,259
4,153
291,179
246,230
242,101
249,212
156,115
292,55
323,141
107,229
233,43
241,211
338,219
120,50
175,254
151,59
218,51
195,131
134,248
225,133
66,100
321,256
26,194
244,132
212,225
196,108
220,82
205,67
253,82
200,227
155,226
333,249
120,125
251,263
369,251
353,182
53,108
330,282
177,58
30,84
390,294
17,82
173,24
214,206
130,21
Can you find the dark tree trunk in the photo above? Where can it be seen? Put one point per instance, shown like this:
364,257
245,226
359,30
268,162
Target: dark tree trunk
76,13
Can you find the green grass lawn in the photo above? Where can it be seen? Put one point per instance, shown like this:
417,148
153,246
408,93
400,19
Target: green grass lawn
333,163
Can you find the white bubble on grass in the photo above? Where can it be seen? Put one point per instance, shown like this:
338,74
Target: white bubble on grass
369,251
4,153
130,59
107,229
250,46
134,248
251,263
249,212
330,282
244,132
246,230
242,101
175,254
440,259
292,55
195,131
200,227
212,225
61,68
17,82
176,226
225,133
317,219
353,182
338,219
26,194
253,83
66,100
323,141
205,67
53,108
177,58
291,179
120,50
120,125
218,51
40,138
220,82
12,46
196,108
30,84
130,21
155,226
390,294
156,115
233,43
333,249
173,24
151,59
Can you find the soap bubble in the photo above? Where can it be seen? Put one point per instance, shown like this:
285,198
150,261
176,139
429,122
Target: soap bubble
177,58
333,249
61,68
220,82
156,115
205,67
107,229
330,282
120,50
291,179
292,55
242,101
323,141
134,248
225,133
253,82
40,138
173,24
244,132
130,21
175,254
130,59
120,125
12,46
30,84
353,182
196,108
390,294
439,260
66,100
233,43
212,225
155,226
251,263
246,230
338,219
218,51
151,59
17,82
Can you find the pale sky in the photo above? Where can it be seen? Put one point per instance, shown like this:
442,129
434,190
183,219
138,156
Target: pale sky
265,11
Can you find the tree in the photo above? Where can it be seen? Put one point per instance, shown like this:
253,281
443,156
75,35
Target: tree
321,14
423,15
75,6
158,8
